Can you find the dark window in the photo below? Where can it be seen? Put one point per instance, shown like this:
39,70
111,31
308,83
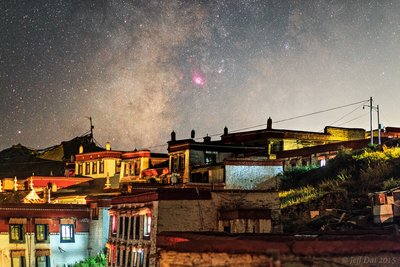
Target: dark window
43,261
94,167
67,234
210,157
137,227
137,168
101,167
227,229
126,227
17,233
87,169
94,211
181,162
132,230
120,224
41,233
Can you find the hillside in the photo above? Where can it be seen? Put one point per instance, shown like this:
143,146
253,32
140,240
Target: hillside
21,161
339,191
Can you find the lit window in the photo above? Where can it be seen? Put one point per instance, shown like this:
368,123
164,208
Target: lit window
67,233
94,167
16,233
41,233
42,261
127,168
146,225
113,225
87,170
18,260
101,163
322,162
80,169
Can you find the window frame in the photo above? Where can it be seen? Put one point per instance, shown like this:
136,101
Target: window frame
21,233
64,239
22,261
47,260
87,168
94,167
101,167
46,233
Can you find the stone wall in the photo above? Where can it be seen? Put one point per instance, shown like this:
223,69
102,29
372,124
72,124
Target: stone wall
248,177
173,258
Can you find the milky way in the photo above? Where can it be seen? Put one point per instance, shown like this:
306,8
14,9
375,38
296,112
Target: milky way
144,68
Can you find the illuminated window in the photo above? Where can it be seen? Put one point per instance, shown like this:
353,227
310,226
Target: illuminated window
146,226
118,166
322,162
87,169
80,169
114,225
17,261
94,167
67,233
127,168
17,233
42,261
41,233
101,167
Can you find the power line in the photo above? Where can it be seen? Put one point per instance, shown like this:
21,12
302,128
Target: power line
345,115
356,118
283,120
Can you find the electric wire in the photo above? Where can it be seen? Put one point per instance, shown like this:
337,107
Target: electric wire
279,121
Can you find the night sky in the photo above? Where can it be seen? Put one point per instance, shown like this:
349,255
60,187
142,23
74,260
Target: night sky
144,68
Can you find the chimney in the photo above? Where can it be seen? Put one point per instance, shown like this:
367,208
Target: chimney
269,123
108,146
173,136
207,139
80,149
225,130
192,134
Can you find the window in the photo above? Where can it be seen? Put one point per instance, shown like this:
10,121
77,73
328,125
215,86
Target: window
322,162
136,168
178,163
80,169
101,167
137,227
41,233
146,226
42,261
87,170
94,167
118,166
94,211
17,233
121,226
210,157
18,261
113,225
127,168
67,233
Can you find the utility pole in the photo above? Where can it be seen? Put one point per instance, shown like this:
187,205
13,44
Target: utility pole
370,120
379,125
371,108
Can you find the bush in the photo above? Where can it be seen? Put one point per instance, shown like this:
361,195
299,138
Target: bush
98,261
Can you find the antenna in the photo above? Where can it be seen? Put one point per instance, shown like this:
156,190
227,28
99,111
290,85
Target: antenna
91,129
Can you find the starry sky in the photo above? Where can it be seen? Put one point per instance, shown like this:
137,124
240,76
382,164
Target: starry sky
142,68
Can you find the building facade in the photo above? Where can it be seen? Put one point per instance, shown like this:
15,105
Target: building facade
137,219
43,235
